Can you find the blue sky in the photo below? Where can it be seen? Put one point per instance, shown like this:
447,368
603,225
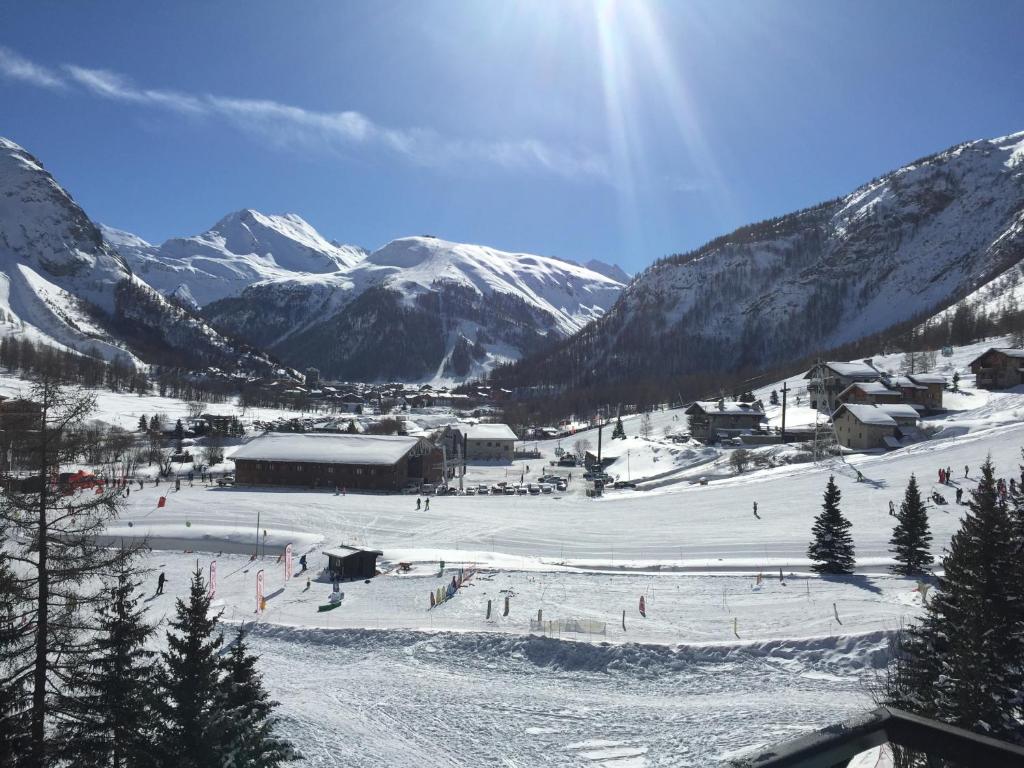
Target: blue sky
622,131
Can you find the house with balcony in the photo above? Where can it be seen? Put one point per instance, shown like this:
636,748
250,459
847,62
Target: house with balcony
999,368
712,420
827,380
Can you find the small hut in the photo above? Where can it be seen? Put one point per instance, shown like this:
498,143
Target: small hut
346,563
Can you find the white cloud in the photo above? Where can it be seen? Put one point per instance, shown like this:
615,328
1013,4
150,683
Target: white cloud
15,67
287,125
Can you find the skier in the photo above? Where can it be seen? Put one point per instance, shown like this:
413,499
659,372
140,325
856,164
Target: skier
302,562
417,502
941,478
959,495
426,506
966,469
949,474
307,585
160,583
892,509
755,511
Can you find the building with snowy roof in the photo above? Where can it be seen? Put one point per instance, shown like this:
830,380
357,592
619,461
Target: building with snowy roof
489,442
324,460
999,368
865,427
826,380
712,420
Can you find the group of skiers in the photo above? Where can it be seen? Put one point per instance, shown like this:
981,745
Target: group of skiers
419,504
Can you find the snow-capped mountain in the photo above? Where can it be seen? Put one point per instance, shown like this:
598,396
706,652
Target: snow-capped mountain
64,284
889,254
243,248
419,308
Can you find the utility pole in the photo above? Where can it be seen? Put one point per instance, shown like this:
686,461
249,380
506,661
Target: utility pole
785,389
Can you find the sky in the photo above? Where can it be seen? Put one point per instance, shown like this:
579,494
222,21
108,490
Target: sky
621,131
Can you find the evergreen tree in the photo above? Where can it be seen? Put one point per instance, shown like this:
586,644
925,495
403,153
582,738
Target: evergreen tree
190,683
154,423
832,546
61,562
143,424
912,536
247,714
112,707
14,672
774,397
962,663
179,434
619,432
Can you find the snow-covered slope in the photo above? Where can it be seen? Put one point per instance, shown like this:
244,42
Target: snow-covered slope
893,251
63,283
243,248
419,308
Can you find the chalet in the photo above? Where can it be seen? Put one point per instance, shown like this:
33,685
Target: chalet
865,427
346,563
922,390
828,379
999,368
869,393
360,462
711,420
489,442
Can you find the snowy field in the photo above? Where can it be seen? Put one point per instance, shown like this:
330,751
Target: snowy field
722,662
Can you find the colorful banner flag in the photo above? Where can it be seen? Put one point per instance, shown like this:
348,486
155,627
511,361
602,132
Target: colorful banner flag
213,578
260,603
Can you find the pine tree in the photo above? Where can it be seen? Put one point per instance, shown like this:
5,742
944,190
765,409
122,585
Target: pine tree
911,537
619,433
190,683
14,672
962,663
154,422
143,424
832,546
112,706
179,434
247,714
61,564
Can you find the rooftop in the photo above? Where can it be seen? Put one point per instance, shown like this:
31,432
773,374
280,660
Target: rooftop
869,414
327,448
490,432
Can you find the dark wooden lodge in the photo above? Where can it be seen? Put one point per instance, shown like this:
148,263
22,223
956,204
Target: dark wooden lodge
345,563
326,460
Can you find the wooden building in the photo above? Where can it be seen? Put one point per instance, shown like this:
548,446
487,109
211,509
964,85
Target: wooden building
826,380
345,563
999,368
712,420
324,460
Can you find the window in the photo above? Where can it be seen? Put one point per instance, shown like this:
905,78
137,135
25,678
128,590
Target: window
270,466
298,467
359,470
330,469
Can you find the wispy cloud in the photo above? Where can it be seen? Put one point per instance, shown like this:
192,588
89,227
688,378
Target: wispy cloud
287,125
15,67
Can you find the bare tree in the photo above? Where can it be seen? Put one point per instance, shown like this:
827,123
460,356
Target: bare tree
58,565
194,410
580,448
645,426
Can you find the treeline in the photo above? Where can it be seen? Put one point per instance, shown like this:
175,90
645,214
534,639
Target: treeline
80,683
25,357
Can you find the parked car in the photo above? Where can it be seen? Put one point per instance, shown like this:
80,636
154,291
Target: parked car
427,489
226,480
562,485
510,490
471,490
521,490
567,460
533,489
546,488
620,484
482,490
